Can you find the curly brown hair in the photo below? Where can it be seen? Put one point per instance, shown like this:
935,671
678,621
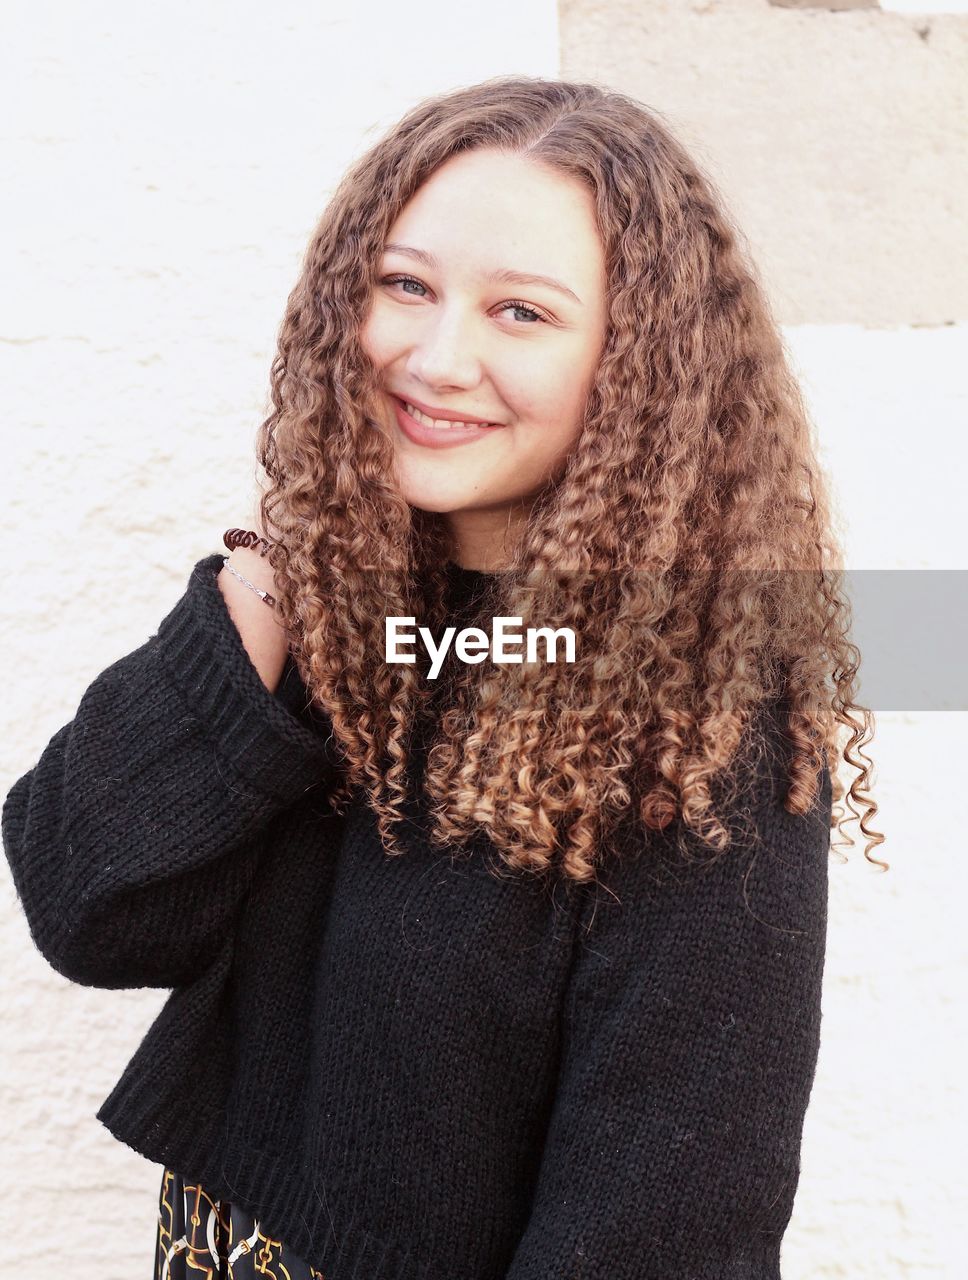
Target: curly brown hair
687,540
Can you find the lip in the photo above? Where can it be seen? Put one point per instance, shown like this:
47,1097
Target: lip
436,437
445,415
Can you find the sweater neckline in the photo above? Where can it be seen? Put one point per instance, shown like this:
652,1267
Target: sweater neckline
472,575
465,586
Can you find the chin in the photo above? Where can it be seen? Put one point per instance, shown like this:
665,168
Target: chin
432,492
432,499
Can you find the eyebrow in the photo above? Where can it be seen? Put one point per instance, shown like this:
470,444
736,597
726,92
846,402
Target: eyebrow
503,276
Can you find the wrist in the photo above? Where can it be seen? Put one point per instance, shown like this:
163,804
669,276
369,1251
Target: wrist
252,573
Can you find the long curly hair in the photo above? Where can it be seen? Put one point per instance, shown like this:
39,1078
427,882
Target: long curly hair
686,541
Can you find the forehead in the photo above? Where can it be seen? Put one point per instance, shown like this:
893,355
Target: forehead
486,211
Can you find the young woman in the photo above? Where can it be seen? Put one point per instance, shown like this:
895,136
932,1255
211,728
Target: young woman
512,970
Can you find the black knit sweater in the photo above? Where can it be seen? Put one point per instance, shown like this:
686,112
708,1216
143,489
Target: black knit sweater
409,1067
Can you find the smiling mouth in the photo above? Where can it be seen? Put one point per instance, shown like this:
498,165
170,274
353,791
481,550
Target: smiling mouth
442,425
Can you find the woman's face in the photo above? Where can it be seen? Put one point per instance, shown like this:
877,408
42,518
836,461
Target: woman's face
449,339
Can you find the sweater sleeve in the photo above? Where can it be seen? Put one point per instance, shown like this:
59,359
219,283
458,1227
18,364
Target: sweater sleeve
135,836
690,1041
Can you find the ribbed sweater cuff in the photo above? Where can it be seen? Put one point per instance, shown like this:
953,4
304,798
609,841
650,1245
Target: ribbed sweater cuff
254,732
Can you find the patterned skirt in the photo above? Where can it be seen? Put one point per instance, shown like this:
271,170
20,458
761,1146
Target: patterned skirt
200,1238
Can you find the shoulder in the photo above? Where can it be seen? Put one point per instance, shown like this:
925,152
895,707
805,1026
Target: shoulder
774,869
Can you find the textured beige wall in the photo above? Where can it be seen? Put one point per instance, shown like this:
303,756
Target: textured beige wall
839,138
838,141
168,165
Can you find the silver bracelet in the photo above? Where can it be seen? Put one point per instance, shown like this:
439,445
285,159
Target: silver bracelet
245,581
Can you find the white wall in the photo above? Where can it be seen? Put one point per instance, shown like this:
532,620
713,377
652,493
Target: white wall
837,132
164,166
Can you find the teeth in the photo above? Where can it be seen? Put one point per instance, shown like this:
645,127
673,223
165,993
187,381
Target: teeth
438,424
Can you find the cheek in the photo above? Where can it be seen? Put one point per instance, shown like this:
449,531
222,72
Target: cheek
379,336
541,447
555,415
553,389
556,424
369,339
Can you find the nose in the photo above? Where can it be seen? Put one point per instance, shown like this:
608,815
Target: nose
443,353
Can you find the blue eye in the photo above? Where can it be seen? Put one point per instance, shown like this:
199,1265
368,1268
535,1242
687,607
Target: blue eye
514,304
